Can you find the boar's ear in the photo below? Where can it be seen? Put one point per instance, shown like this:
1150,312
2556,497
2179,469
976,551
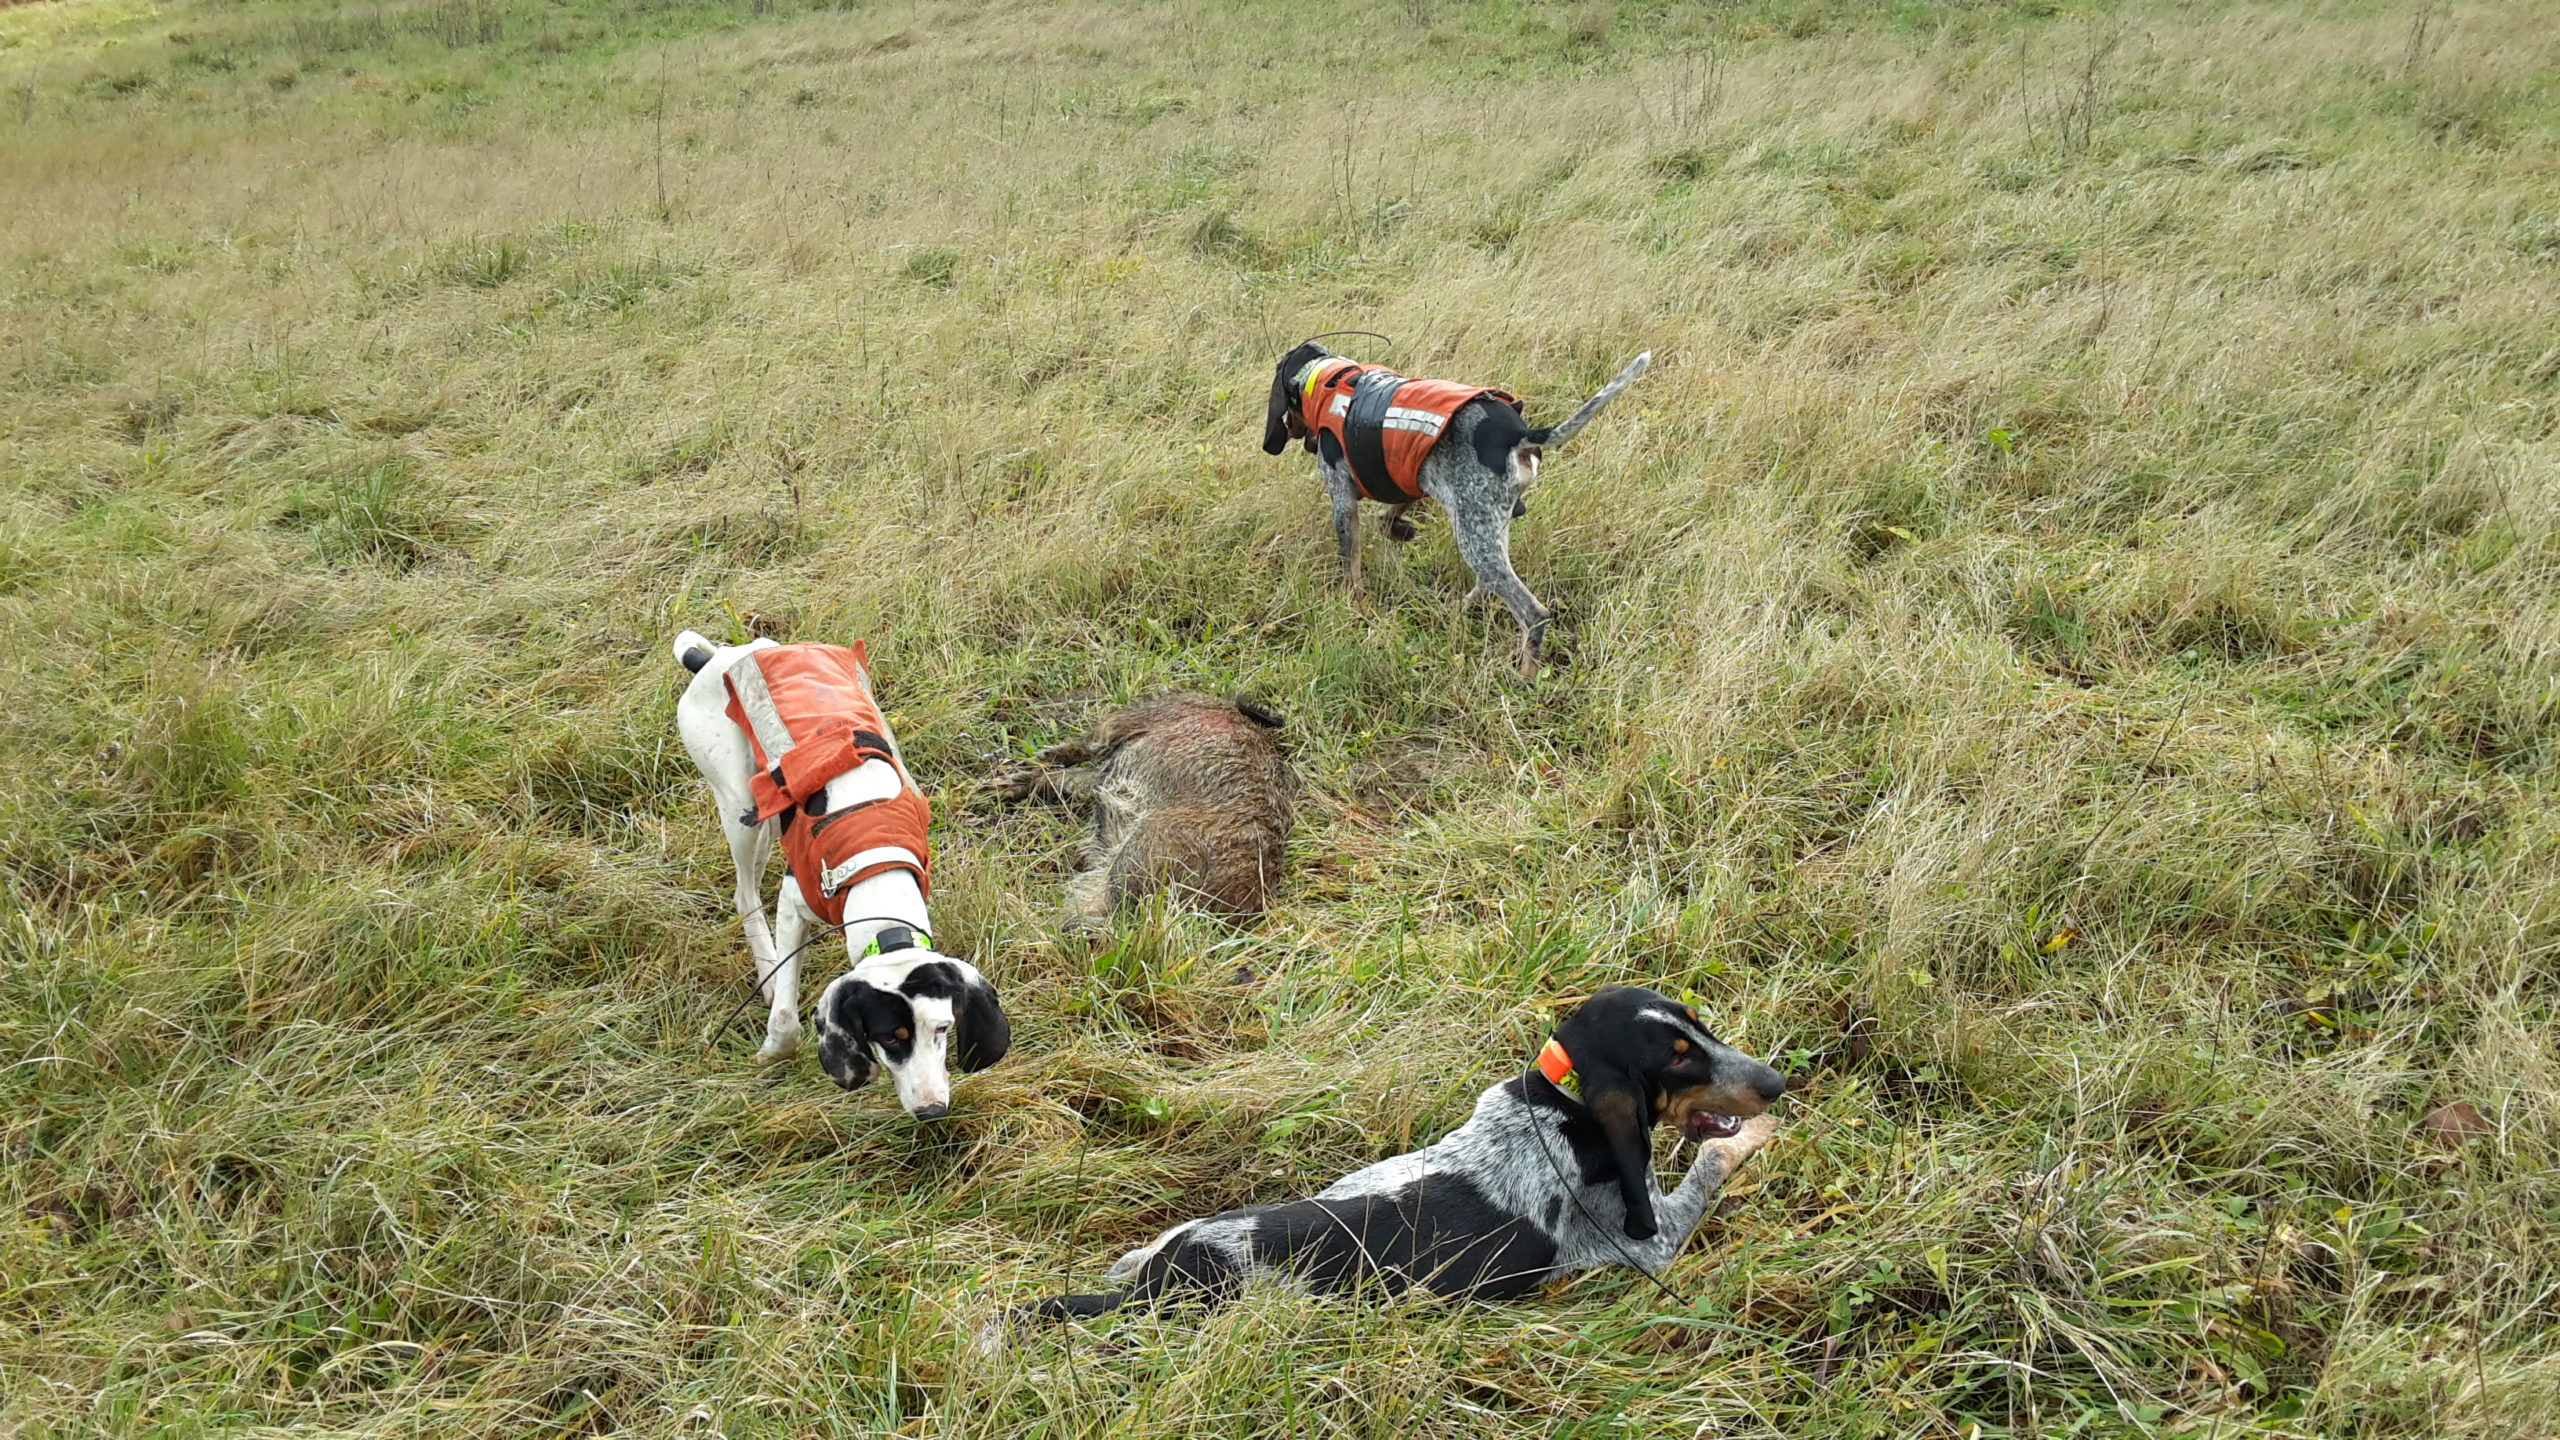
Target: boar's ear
984,1032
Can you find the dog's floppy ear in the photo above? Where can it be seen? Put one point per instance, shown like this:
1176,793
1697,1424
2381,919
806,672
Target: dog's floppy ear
1275,420
844,1048
1617,1101
984,1034
1616,1095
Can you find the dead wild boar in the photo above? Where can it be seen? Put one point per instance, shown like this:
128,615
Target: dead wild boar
1188,791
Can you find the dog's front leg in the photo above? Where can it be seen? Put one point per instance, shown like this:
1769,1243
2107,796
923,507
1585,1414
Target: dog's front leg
1679,1212
1346,523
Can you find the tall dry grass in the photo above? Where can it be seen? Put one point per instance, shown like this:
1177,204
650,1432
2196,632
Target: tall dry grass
2061,655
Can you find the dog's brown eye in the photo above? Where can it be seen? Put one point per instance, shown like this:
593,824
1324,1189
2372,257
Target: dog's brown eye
902,1032
1679,1047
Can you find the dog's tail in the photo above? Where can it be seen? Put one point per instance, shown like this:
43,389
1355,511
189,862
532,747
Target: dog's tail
692,651
1591,408
1260,714
1056,1310
1075,1307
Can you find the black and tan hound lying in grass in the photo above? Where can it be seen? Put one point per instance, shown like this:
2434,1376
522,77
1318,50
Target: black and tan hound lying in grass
1538,1183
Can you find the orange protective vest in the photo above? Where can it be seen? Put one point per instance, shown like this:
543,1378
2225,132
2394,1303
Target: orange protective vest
808,711
1407,431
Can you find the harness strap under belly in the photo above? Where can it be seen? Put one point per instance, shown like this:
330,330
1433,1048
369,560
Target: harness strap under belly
1364,435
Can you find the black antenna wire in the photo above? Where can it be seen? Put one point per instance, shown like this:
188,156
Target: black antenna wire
712,1036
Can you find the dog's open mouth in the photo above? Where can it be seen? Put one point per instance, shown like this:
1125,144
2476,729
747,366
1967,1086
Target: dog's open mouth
1707,1125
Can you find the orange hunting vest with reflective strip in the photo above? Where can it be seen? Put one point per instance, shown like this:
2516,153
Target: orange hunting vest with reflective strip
808,711
1385,455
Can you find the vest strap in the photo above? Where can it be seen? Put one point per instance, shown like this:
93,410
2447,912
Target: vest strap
1364,435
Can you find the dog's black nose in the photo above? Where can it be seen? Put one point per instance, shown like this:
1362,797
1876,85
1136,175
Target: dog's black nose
931,1112
1771,1084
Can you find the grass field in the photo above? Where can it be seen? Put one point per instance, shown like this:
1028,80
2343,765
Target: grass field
2062,654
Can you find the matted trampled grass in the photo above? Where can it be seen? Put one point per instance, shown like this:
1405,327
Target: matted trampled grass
2060,654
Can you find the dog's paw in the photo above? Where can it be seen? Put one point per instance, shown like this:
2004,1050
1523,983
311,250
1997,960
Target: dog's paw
780,1042
1401,530
1746,1141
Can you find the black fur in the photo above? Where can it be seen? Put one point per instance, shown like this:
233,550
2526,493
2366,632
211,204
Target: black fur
1499,430
1619,1082
1275,422
865,1015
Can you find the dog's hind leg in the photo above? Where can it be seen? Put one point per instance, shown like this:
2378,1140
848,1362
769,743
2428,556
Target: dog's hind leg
1395,526
791,917
750,849
1482,524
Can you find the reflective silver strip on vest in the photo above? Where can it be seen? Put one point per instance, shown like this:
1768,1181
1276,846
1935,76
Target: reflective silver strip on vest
1404,417
756,703
836,875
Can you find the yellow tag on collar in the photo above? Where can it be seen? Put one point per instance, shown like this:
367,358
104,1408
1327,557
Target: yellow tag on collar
1307,380
1554,1063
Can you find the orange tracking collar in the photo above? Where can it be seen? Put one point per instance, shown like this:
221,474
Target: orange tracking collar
1554,1063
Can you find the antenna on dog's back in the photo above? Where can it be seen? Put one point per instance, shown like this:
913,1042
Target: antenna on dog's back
1329,334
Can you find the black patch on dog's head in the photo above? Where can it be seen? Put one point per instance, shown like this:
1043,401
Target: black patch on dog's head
1275,423
1631,1047
858,1016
